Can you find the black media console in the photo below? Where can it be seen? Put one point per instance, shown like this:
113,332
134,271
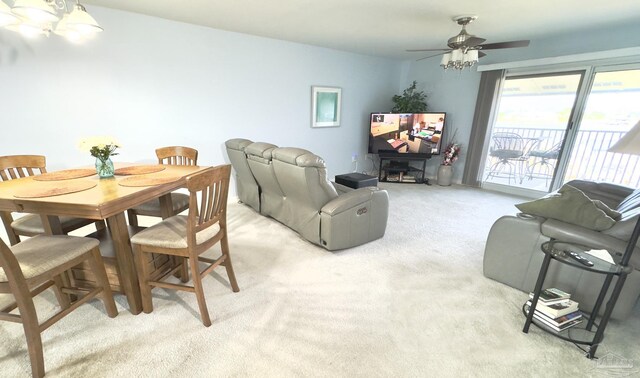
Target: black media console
397,168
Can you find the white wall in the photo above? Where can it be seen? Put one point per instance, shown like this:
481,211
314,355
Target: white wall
456,92
151,82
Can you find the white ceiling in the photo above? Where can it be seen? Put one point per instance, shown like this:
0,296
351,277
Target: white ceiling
387,27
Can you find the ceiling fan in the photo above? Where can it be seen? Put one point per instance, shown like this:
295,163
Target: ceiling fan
464,48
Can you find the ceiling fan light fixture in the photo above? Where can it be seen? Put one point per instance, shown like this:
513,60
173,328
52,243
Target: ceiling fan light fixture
446,58
38,17
35,11
6,17
81,22
64,31
30,29
471,57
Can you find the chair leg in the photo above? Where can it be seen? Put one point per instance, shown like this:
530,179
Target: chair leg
143,278
184,271
63,298
97,266
100,225
197,285
133,218
227,264
31,330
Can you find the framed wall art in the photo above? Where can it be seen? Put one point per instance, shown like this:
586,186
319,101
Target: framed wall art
325,106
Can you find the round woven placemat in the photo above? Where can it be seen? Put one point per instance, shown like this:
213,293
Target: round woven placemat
147,181
139,170
67,174
50,190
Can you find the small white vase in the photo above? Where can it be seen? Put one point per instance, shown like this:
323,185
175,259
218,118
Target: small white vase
445,172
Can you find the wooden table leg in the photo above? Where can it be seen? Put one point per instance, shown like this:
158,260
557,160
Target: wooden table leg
128,277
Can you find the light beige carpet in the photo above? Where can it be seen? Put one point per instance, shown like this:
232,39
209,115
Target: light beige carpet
413,304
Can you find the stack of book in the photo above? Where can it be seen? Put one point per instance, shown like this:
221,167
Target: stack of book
556,310
408,178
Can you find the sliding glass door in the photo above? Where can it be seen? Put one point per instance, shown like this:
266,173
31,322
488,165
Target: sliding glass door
612,109
534,113
552,128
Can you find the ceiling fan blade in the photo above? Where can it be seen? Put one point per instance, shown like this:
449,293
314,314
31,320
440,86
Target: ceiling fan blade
504,45
481,54
419,50
431,56
474,41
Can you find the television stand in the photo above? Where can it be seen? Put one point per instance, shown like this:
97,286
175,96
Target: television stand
398,169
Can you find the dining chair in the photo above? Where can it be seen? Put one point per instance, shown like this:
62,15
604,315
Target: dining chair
36,264
189,237
18,166
172,155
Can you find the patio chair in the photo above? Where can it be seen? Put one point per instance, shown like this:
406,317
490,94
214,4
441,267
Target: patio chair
544,163
508,149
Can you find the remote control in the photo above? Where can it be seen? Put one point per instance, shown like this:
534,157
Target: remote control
580,259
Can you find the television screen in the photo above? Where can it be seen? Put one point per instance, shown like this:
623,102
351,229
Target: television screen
406,133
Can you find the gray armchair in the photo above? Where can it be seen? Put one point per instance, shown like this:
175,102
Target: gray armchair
512,253
315,209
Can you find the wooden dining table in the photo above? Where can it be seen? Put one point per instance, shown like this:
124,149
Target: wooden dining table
107,200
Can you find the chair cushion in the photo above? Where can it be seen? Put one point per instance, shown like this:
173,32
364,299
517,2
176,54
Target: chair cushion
570,205
32,224
180,202
172,233
42,253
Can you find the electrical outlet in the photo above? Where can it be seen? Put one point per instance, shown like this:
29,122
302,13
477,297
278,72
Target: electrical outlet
354,157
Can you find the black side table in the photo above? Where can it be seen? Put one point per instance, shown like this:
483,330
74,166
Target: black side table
356,180
590,333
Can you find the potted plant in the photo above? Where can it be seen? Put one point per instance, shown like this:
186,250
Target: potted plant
411,101
449,156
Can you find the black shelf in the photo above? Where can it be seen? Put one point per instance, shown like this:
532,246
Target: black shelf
588,332
578,334
398,167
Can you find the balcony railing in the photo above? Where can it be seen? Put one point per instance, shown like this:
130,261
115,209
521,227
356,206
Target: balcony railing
589,158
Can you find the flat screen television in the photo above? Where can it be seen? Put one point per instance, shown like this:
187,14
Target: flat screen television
417,134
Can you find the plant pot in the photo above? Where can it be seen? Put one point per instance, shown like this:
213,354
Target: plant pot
445,173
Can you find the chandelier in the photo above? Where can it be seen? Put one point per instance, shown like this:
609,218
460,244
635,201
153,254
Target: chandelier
459,59
41,17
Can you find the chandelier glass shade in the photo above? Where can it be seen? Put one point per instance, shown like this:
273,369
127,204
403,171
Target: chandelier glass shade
459,59
41,17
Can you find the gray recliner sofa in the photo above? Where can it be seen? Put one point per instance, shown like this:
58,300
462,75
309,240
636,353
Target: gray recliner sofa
293,189
513,256
247,188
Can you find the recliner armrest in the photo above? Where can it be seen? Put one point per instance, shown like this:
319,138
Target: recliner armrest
341,189
353,198
571,233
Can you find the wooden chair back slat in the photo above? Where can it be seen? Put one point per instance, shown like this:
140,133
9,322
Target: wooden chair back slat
177,155
211,189
18,166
